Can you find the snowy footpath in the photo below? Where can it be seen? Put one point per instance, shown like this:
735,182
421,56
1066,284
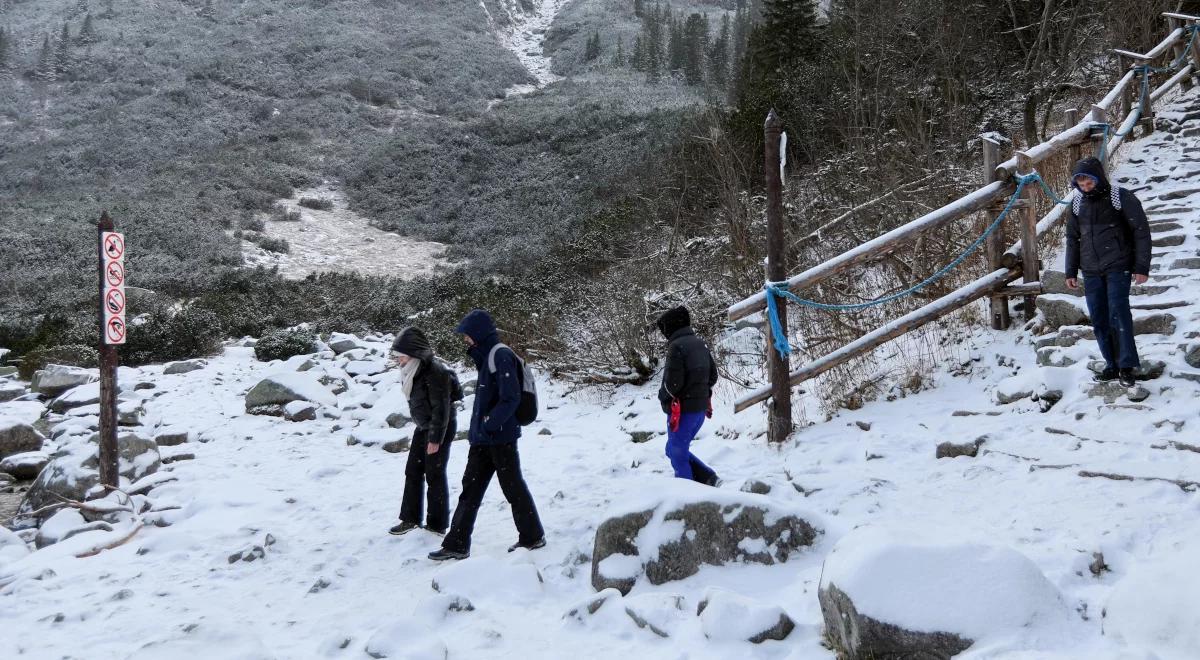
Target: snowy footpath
1013,510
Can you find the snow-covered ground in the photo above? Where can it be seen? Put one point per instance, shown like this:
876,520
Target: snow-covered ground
525,36
1050,484
341,241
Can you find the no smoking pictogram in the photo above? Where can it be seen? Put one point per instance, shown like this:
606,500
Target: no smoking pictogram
114,245
114,273
115,330
114,301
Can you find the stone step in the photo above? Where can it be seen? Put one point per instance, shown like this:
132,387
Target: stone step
1189,263
1170,240
1147,370
1163,226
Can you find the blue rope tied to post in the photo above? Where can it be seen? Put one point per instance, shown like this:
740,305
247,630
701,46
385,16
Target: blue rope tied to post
780,289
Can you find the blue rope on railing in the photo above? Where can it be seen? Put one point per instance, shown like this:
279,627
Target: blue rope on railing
779,289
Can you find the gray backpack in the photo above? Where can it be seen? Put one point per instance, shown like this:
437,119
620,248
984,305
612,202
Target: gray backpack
527,409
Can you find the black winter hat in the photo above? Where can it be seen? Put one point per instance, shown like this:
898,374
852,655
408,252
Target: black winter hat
673,320
411,341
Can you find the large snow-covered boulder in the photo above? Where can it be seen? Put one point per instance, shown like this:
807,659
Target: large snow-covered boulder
83,395
11,389
1156,607
75,473
183,367
56,379
887,594
668,531
341,343
17,437
25,466
272,393
729,617
485,579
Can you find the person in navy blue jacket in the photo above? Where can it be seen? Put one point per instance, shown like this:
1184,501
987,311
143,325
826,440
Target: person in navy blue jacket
493,438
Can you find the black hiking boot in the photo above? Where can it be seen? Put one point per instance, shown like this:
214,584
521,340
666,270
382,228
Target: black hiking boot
403,528
540,543
1109,373
1127,379
713,481
442,554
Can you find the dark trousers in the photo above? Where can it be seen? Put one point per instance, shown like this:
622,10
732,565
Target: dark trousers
425,469
483,461
679,443
1112,320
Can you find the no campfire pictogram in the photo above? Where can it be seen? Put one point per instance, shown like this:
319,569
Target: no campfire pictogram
114,245
114,273
114,330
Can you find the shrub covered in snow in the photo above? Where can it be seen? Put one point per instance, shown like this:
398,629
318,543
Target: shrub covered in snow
283,344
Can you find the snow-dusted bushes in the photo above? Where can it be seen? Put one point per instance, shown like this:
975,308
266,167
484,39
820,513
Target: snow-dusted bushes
283,344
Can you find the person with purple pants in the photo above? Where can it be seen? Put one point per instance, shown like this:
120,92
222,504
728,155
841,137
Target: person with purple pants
686,393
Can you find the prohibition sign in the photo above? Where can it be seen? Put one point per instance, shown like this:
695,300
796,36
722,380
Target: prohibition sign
114,302
115,330
114,273
114,245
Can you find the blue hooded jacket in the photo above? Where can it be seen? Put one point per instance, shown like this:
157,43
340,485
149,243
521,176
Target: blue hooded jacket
497,395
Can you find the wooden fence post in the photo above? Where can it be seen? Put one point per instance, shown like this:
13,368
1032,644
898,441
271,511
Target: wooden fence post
1075,151
1179,49
779,410
1027,210
1122,69
109,470
994,246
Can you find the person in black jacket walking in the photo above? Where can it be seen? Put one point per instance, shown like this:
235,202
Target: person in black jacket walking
1108,239
494,434
686,393
430,387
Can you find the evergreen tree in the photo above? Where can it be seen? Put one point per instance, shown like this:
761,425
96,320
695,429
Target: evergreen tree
695,46
718,56
62,53
592,51
5,56
80,8
44,68
652,44
638,58
87,33
676,49
639,8
618,60
207,12
787,34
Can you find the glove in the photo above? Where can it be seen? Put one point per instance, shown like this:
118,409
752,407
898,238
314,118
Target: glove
708,411
676,413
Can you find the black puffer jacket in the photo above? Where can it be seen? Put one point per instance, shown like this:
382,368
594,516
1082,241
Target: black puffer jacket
431,401
691,371
1102,239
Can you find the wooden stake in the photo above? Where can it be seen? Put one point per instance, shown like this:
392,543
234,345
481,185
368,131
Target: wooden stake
1075,151
109,470
1029,246
1179,47
779,413
994,246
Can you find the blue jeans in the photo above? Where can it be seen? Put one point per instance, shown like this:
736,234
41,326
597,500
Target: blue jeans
1108,306
686,465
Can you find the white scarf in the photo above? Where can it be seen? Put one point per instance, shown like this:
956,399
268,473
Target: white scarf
408,373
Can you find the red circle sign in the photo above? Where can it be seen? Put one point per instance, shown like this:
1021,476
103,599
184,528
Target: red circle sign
115,330
114,273
114,246
114,301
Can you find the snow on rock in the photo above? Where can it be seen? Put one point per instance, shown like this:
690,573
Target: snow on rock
26,465
366,367
12,547
486,580
17,437
271,393
1156,607
394,439
886,594
659,613
83,395
729,617
299,411
73,473
406,639
56,379
668,531
183,367
1015,388
10,390
341,343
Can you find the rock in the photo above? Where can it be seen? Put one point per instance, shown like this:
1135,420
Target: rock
1192,356
17,437
1154,324
300,411
129,413
545,432
1054,281
1112,390
655,612
12,547
395,446
1053,356
888,595
1061,310
582,610
398,420
1170,240
183,367
406,639
377,437
952,450
755,486
144,386
341,343
25,466
693,531
729,617
1147,370
642,436
283,388
84,395
11,390
56,379
366,367
1013,389
1070,335
72,475
865,426
172,436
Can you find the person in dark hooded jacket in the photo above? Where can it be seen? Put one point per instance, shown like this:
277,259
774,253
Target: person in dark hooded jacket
493,437
430,387
1108,239
686,392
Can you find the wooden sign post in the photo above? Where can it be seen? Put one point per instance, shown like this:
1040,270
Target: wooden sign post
112,334
779,410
